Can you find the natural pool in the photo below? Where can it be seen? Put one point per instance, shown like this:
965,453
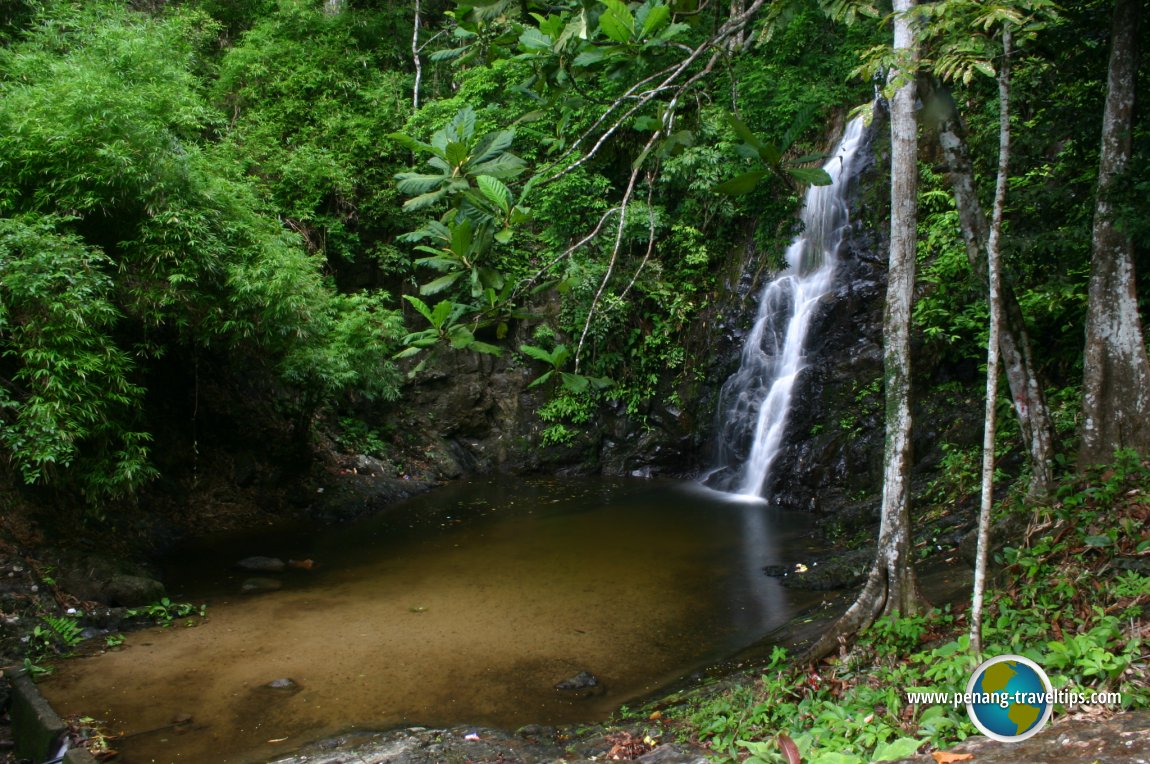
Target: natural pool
465,605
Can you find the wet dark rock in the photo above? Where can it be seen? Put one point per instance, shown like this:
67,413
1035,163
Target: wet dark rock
345,496
260,564
1137,564
363,464
581,681
673,754
108,619
132,591
1009,531
825,572
582,685
260,585
535,731
1124,739
108,582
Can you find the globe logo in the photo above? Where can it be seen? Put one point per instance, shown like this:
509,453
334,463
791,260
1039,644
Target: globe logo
1009,698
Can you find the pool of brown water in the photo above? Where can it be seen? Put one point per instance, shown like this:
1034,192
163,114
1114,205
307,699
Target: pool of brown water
463,606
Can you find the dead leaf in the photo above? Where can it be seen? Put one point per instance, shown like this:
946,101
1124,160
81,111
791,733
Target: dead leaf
789,749
656,716
277,739
946,757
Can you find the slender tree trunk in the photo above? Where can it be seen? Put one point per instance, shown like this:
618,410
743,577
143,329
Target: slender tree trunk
1116,382
333,7
993,252
1026,389
416,59
891,585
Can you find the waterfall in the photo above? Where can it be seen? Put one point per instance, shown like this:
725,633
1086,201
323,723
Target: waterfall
755,400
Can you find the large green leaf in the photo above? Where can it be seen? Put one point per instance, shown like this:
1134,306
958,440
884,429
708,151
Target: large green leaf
409,143
462,126
744,132
490,278
462,234
742,184
417,182
438,261
541,379
409,351
816,176
503,166
423,201
447,54
590,57
655,17
900,748
440,284
441,312
539,354
576,383
495,191
483,347
460,337
532,39
457,154
617,22
420,306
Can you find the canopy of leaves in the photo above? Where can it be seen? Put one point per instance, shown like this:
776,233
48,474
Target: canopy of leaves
125,234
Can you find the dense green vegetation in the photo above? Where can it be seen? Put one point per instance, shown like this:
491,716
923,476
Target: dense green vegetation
216,179
298,198
130,235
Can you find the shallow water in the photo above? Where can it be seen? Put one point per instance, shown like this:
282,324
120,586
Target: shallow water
463,606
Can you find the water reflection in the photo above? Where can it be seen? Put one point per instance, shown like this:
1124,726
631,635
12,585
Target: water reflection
466,605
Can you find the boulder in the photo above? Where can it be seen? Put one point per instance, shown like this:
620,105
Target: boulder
582,685
260,564
131,591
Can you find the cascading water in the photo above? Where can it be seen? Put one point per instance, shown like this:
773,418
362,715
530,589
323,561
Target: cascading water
755,400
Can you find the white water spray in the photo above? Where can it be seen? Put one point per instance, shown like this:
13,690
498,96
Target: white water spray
755,400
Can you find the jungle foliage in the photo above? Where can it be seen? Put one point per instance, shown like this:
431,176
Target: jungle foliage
249,181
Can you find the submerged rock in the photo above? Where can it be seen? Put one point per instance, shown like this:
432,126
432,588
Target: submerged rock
581,681
582,685
260,585
284,685
260,564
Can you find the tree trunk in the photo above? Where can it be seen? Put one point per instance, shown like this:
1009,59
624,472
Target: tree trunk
891,585
334,7
415,58
1026,389
1116,382
993,251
